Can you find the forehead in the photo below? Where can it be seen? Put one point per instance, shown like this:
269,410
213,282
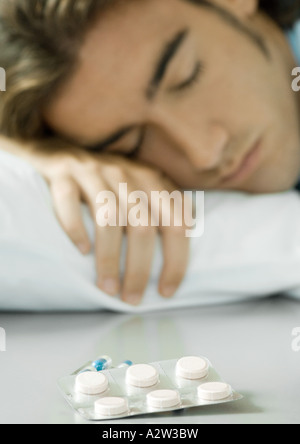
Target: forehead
115,64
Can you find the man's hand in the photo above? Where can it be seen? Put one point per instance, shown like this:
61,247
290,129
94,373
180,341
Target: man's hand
75,176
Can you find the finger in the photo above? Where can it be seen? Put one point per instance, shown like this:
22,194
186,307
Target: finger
108,235
67,205
176,248
141,239
169,214
108,252
141,243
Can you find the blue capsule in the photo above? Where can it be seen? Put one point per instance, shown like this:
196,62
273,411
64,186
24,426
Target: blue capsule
108,359
102,363
125,364
129,363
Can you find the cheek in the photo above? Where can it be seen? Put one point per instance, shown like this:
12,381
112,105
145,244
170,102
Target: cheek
174,165
160,153
231,100
237,87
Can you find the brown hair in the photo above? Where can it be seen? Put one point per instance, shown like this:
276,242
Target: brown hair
39,41
284,12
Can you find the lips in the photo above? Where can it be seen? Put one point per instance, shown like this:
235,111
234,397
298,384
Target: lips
246,166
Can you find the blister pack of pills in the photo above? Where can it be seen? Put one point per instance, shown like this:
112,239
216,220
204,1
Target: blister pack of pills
99,392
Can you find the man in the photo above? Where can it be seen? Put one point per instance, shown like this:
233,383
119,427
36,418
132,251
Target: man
197,92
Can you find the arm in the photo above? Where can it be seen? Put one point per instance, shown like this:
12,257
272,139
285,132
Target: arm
75,176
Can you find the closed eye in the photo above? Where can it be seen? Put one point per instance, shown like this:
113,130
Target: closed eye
194,78
182,86
191,80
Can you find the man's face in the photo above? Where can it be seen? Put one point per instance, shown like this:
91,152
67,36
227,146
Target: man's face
193,88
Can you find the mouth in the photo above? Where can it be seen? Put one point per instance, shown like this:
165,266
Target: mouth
246,167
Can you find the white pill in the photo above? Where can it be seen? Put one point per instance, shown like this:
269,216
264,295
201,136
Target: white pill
214,391
111,406
163,399
192,367
91,383
142,375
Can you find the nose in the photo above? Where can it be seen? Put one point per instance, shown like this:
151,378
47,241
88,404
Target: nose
203,143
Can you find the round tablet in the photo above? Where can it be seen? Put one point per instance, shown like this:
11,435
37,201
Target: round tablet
163,399
192,368
91,383
214,391
142,375
111,406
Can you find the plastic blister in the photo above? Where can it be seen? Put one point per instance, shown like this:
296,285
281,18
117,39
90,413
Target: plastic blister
131,390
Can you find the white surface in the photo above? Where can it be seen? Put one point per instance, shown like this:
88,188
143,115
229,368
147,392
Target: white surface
91,383
214,391
142,375
192,367
112,406
163,399
250,249
249,344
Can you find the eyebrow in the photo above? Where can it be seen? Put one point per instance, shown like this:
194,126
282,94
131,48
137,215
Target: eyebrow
168,53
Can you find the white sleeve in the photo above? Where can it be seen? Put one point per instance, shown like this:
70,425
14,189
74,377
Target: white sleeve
250,249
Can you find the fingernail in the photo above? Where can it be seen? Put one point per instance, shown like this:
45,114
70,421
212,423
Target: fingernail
109,286
168,291
133,299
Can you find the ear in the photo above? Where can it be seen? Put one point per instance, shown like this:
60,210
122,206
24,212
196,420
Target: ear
240,8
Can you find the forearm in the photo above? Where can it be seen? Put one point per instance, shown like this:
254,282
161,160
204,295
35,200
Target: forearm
42,154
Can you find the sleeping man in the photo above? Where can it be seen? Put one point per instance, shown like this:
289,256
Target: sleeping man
160,95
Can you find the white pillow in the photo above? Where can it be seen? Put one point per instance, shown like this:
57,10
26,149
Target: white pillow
250,249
